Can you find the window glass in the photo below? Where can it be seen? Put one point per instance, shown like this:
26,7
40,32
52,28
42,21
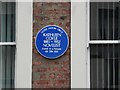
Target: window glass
104,21
105,66
7,22
7,65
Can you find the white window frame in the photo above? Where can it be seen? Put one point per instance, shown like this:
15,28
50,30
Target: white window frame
7,43
88,40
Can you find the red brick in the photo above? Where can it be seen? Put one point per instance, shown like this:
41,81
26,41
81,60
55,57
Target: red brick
51,73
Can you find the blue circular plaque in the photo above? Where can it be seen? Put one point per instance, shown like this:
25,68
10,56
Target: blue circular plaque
52,41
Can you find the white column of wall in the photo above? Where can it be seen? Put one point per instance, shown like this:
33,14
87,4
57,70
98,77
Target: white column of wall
79,45
23,65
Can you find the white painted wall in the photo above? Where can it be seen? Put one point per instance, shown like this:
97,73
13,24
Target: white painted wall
79,45
23,65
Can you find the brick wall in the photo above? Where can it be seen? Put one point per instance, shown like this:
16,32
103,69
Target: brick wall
51,73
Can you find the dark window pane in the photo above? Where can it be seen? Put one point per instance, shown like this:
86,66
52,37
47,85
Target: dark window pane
104,21
7,21
7,66
105,66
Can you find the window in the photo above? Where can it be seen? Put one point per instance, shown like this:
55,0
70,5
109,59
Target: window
104,45
7,44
